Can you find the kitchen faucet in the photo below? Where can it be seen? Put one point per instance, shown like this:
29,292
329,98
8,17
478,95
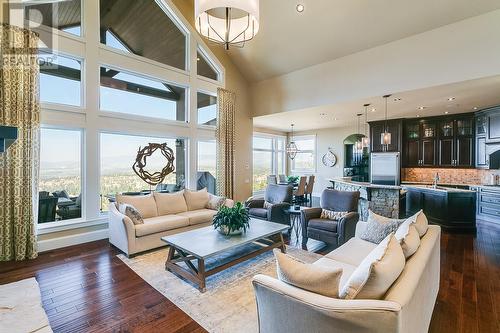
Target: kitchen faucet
436,179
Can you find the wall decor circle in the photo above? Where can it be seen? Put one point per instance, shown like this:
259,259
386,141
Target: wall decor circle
153,178
329,159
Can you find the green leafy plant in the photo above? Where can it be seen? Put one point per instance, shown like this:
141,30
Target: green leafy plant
232,220
293,179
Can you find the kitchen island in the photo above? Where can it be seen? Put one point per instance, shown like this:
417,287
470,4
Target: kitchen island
451,208
381,199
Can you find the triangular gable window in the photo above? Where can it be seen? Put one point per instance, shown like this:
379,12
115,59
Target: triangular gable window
115,42
205,68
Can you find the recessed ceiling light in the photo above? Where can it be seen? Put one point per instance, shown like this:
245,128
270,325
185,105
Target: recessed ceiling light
198,59
418,116
336,118
421,107
451,99
475,108
446,112
397,99
300,8
373,109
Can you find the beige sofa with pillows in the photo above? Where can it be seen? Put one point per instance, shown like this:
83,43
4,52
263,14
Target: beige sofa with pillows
148,218
361,286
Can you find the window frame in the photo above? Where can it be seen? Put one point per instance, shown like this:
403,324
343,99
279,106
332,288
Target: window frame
209,61
274,150
295,170
123,115
69,224
209,93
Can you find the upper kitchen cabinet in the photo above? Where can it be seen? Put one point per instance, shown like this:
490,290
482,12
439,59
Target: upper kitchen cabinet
393,126
487,132
439,142
419,144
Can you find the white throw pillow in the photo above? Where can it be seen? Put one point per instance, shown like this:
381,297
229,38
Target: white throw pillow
378,227
421,223
215,202
331,215
377,272
315,278
408,238
196,199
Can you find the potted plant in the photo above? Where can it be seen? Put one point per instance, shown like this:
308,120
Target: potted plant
292,179
232,221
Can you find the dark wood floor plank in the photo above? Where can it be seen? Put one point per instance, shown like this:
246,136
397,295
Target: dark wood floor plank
86,288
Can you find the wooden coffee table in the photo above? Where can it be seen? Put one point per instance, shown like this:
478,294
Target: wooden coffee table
193,248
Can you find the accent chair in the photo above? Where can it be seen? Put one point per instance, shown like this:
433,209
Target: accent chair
333,232
272,207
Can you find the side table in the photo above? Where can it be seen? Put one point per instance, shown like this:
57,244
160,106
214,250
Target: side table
295,217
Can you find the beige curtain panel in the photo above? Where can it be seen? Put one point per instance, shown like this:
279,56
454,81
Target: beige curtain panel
225,142
19,165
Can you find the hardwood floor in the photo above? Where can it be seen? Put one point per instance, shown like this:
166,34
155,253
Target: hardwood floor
85,288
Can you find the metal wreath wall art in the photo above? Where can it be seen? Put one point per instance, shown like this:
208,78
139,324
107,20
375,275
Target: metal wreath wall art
154,178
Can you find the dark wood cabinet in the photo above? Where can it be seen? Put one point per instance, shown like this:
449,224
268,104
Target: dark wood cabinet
394,126
439,142
487,132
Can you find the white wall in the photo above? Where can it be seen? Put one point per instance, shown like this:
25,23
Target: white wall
334,138
465,50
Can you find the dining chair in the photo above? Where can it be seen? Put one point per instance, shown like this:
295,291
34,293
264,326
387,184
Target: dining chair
272,180
282,179
309,189
301,190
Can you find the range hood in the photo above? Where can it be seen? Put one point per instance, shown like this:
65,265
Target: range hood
8,135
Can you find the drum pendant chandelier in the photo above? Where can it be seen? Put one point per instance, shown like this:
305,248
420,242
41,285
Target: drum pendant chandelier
227,22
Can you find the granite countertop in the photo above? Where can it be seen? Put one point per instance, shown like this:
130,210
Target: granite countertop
493,187
364,184
438,188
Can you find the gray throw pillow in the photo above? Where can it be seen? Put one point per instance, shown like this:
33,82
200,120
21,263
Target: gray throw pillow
379,227
267,205
132,213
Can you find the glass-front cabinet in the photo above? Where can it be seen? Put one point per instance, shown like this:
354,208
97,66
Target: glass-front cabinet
440,141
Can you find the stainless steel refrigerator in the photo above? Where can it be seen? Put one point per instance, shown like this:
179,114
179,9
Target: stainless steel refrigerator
385,168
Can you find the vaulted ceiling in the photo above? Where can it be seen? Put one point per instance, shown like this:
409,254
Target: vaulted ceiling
330,29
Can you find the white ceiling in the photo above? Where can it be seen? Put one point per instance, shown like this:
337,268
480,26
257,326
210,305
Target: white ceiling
480,93
329,29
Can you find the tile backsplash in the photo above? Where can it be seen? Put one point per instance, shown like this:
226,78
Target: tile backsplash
450,176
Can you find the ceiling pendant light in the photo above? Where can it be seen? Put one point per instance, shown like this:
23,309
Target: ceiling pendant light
385,138
291,147
366,140
227,22
359,144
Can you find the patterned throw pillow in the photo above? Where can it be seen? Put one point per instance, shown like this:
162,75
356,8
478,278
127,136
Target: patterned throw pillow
267,205
215,202
331,215
132,213
379,227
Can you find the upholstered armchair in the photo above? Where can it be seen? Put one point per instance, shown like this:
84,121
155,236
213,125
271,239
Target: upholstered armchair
333,232
278,198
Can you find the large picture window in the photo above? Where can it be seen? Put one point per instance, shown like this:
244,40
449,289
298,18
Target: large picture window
118,152
60,74
305,161
143,28
268,159
207,165
135,95
60,186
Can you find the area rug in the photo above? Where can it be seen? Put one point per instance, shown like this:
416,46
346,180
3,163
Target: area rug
228,305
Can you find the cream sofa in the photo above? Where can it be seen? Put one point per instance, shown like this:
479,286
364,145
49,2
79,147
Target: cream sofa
407,306
163,213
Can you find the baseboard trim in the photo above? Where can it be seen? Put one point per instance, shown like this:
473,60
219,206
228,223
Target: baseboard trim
64,241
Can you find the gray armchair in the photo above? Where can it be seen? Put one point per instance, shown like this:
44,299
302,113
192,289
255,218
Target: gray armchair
331,232
280,198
